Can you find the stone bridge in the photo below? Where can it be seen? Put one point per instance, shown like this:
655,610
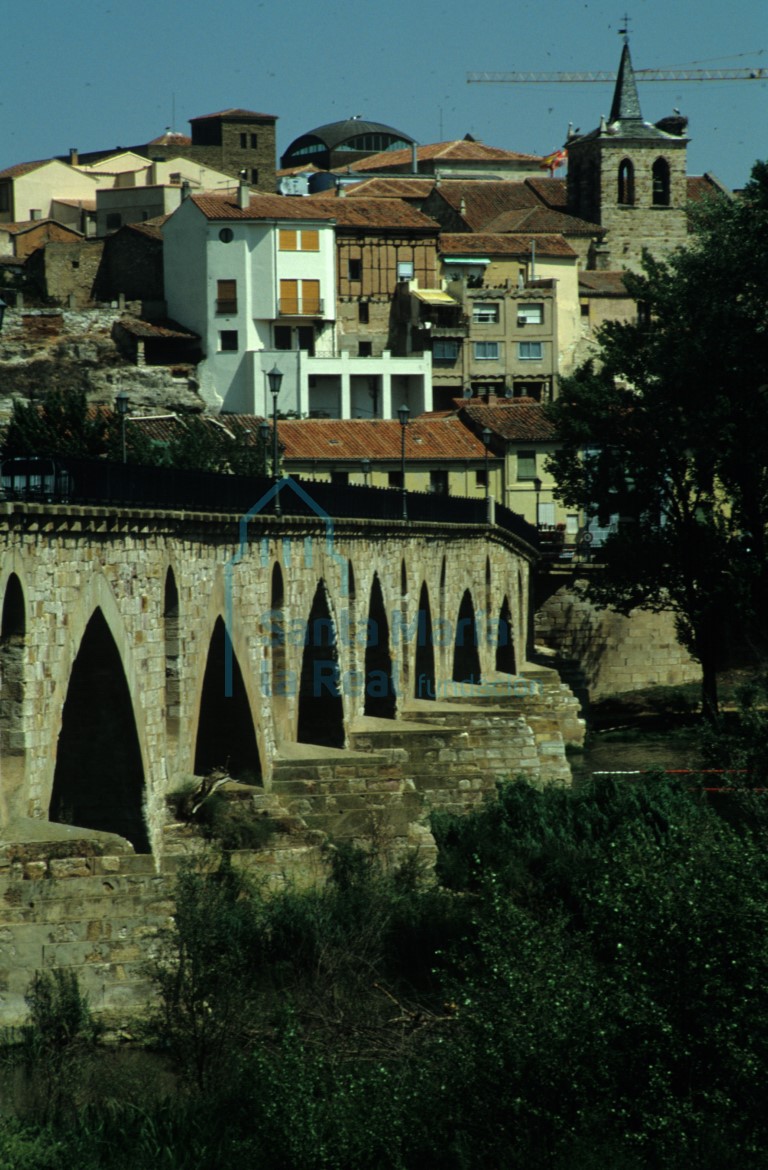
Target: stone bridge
138,647
350,674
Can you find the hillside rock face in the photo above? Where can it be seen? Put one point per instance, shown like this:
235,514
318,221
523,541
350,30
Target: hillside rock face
57,349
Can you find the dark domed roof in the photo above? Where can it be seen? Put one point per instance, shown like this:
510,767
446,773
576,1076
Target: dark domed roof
338,143
335,133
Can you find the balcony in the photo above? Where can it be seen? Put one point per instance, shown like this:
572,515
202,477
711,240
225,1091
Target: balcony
301,307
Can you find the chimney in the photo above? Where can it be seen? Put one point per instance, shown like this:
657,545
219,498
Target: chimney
73,156
414,158
185,189
243,193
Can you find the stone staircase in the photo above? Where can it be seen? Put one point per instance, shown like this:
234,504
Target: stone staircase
354,795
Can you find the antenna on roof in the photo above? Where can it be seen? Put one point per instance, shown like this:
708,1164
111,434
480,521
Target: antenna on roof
624,32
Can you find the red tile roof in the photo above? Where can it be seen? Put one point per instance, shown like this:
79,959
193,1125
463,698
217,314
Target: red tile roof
607,284
398,187
504,205
495,244
517,420
148,329
458,150
233,113
375,213
15,172
260,207
543,219
378,439
553,192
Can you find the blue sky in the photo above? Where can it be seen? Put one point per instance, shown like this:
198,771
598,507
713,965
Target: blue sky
94,75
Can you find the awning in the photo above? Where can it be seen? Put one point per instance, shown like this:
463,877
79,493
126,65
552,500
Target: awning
434,296
466,260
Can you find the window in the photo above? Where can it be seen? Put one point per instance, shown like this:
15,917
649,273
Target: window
526,465
486,351
661,183
364,349
114,221
300,298
481,479
438,483
626,192
530,351
5,196
226,235
254,141
254,176
340,478
228,341
226,296
485,313
395,479
546,516
283,338
306,240
243,141
355,270
405,270
363,313
445,351
530,314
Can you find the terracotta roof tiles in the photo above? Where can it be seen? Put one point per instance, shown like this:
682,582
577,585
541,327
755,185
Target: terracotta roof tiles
378,439
376,213
457,150
517,421
260,207
607,284
496,244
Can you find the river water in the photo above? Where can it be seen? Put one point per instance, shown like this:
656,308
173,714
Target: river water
636,750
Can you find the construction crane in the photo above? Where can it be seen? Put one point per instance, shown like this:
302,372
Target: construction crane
641,74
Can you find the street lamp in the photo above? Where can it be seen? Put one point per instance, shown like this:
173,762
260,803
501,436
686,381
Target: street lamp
537,489
486,433
122,404
275,378
403,414
264,438
366,465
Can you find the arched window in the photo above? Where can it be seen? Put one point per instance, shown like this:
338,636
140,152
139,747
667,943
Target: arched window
626,182
661,183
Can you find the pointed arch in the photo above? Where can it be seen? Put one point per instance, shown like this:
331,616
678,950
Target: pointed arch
226,737
505,643
661,183
13,630
172,671
424,687
405,664
321,709
98,781
626,182
277,633
466,659
380,696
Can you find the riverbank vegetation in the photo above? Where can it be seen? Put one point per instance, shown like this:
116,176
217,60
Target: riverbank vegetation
583,984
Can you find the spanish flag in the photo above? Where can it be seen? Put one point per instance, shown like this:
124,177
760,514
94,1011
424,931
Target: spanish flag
557,159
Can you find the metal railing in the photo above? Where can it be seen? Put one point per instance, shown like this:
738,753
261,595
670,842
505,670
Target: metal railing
107,484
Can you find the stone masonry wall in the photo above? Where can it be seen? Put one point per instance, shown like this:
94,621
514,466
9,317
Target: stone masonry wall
616,653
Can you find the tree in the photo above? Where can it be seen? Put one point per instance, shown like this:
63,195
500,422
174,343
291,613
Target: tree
61,423
669,429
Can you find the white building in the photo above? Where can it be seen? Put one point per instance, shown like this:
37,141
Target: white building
255,277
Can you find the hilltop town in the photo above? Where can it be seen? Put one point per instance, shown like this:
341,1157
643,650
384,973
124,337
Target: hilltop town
454,279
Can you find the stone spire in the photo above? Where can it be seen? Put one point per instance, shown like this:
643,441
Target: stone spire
626,103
